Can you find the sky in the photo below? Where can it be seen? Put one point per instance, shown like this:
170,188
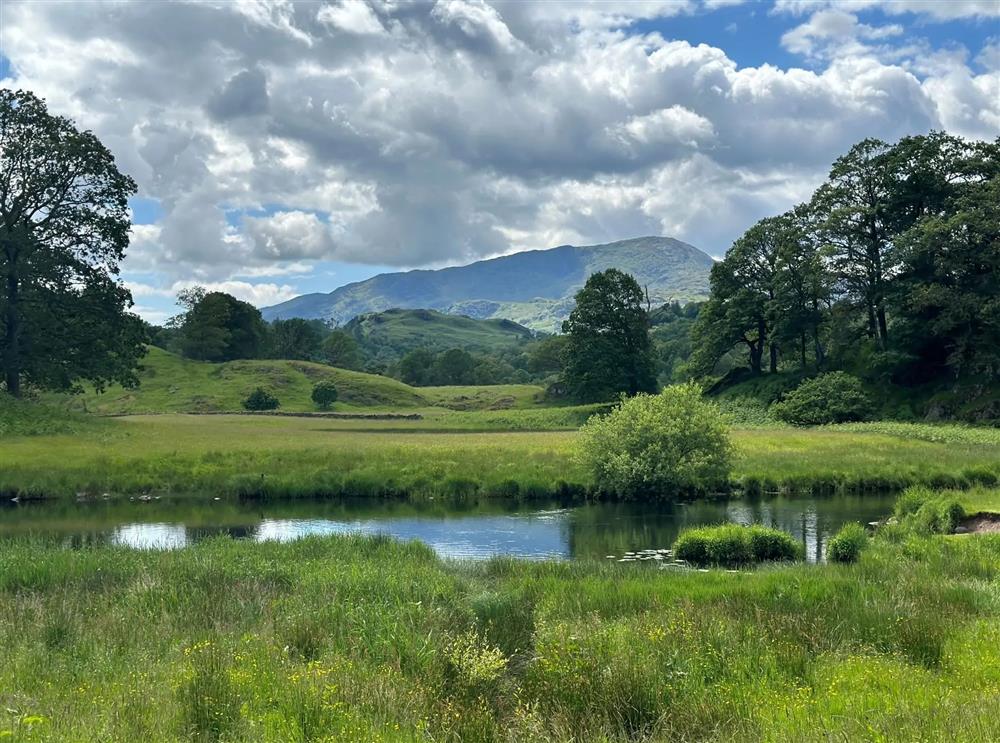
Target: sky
289,147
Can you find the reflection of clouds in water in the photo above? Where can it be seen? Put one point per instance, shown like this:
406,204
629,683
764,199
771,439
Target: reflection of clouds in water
534,536
150,536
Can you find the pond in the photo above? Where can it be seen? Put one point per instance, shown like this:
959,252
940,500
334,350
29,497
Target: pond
475,530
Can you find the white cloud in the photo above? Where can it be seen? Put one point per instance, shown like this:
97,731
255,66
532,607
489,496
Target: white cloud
934,9
353,16
834,33
275,135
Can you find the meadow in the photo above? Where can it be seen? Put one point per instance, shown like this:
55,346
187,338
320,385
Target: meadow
452,454
349,638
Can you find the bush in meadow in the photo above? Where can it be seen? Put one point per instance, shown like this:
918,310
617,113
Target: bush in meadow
836,397
658,445
260,399
847,544
324,394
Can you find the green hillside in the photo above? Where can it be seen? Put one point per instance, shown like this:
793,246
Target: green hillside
534,288
171,384
389,335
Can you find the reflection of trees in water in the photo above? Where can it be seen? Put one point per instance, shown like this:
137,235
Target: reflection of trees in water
613,529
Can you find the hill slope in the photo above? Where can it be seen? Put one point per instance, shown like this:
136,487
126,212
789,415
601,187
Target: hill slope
534,288
391,334
171,384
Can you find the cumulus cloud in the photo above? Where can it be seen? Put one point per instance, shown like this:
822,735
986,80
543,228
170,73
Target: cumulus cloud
274,135
936,9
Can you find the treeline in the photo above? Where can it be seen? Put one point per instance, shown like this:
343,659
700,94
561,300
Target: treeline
217,327
891,271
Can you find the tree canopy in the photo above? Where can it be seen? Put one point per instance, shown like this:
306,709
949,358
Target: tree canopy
608,351
890,270
64,228
216,326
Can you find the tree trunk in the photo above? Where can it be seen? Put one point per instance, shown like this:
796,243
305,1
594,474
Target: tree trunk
774,357
802,349
756,350
883,329
12,341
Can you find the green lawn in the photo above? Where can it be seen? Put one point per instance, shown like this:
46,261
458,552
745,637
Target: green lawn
453,454
353,639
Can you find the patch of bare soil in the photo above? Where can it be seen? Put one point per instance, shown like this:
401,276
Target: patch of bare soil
983,523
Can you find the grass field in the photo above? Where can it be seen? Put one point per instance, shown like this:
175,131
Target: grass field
171,384
454,454
345,638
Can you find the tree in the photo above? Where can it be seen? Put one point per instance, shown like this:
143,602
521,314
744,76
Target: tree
742,306
414,368
548,355
340,349
947,288
324,394
801,289
608,351
295,338
260,399
64,228
454,366
218,327
858,228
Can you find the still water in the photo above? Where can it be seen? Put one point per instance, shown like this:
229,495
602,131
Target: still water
476,530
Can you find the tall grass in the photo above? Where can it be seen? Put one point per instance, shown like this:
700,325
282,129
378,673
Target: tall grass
443,457
349,638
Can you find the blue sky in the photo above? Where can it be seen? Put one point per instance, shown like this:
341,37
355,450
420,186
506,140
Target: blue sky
290,147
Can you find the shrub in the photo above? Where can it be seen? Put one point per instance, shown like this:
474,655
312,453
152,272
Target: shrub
260,399
926,512
847,544
658,445
836,397
732,544
324,394
939,516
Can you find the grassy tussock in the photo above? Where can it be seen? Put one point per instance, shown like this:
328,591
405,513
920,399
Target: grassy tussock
366,639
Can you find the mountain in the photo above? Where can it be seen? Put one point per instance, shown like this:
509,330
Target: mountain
534,288
389,335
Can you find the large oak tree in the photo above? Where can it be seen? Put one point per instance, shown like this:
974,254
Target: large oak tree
64,228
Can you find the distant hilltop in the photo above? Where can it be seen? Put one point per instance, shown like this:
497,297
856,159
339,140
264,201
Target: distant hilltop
534,288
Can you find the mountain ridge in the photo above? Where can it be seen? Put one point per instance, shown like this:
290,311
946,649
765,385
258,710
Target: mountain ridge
534,287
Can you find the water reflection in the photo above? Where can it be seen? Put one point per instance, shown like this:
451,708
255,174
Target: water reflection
469,530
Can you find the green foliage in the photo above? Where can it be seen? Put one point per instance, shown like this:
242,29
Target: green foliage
658,445
295,339
609,351
64,226
340,349
216,326
925,511
324,394
733,545
888,273
260,399
835,397
847,544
